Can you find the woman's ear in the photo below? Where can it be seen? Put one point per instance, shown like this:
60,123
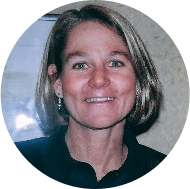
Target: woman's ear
57,86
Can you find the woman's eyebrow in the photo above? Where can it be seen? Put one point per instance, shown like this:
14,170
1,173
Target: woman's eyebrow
121,53
75,54
84,54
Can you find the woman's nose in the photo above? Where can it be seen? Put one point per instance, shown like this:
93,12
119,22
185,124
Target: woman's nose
99,78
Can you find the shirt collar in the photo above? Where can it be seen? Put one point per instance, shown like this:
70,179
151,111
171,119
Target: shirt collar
60,161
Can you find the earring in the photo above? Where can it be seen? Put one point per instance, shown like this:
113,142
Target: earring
60,102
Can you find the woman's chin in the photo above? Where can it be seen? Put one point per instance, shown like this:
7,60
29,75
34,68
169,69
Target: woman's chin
99,127
101,124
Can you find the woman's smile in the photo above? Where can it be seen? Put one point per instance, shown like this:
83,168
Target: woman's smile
98,80
99,99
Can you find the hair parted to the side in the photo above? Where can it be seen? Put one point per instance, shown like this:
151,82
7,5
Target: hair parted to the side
148,87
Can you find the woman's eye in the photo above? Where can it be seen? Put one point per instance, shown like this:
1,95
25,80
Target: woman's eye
80,66
116,64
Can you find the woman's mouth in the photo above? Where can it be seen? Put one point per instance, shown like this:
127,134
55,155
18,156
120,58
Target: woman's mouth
99,99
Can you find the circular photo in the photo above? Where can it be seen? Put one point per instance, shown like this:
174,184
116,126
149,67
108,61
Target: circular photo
92,94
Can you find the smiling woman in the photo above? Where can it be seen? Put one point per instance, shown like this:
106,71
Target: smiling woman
108,91
91,75
59,53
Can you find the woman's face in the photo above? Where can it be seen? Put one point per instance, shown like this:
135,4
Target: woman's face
98,80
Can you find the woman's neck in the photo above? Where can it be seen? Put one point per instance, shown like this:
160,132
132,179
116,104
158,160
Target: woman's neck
102,149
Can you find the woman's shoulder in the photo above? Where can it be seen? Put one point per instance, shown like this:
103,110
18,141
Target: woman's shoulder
32,150
153,157
145,155
31,146
35,150
34,146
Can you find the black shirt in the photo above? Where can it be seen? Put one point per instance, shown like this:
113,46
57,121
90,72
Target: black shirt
51,156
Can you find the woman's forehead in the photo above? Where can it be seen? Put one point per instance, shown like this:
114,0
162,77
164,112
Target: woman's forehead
91,27
93,36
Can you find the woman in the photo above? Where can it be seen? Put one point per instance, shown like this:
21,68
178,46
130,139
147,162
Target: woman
108,91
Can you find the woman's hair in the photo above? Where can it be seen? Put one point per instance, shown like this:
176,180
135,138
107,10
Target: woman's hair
148,88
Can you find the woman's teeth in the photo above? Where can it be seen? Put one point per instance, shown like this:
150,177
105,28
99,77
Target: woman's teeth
99,99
